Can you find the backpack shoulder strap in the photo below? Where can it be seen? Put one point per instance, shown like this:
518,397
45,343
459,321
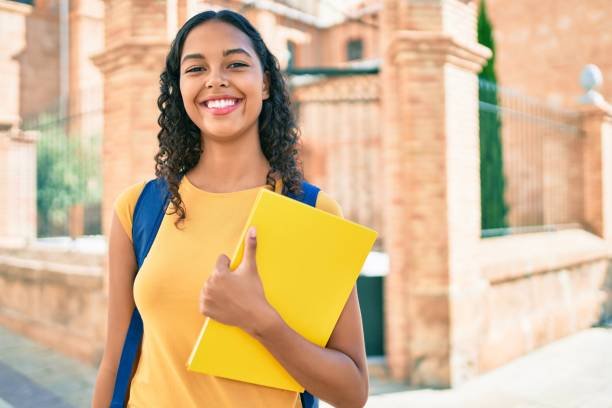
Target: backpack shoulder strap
148,214
309,195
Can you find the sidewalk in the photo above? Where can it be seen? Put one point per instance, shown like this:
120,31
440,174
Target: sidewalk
572,372
34,376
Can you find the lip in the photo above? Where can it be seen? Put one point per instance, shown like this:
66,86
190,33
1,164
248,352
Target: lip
221,111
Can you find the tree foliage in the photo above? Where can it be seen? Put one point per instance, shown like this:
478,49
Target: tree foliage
67,174
493,205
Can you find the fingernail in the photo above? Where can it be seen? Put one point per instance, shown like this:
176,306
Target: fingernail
252,232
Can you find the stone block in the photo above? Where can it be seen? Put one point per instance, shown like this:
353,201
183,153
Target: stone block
60,305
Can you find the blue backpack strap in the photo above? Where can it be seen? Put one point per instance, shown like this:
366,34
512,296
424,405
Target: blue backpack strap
308,400
309,196
148,215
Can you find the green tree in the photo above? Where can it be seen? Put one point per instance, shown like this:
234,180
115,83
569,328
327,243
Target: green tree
492,182
67,174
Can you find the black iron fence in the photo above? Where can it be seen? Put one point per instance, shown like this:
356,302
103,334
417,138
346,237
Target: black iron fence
68,176
531,164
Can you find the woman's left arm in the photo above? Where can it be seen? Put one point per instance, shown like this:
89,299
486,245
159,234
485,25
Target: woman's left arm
338,373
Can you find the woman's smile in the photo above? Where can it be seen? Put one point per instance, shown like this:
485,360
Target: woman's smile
219,107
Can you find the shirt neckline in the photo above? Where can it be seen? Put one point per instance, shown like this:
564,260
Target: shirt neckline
190,186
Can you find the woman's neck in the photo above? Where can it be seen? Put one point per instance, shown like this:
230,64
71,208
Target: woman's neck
230,167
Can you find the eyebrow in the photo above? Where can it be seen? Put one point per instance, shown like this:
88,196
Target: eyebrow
225,54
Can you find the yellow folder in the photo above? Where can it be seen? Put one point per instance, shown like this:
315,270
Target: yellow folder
308,261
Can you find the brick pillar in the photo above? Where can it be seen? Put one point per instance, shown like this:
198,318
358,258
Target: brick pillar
14,17
17,148
597,170
86,24
17,186
86,31
133,58
432,186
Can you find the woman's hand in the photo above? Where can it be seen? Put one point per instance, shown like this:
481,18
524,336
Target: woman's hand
237,298
337,374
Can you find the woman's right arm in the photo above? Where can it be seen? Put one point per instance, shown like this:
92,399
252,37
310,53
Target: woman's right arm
122,268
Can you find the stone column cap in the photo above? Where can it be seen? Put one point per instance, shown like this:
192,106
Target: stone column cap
599,108
413,45
18,135
592,102
144,50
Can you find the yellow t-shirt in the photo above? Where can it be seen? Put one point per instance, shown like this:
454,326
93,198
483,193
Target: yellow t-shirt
166,292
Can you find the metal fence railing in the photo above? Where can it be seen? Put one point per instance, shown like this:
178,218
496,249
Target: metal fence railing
531,164
338,114
68,176
338,118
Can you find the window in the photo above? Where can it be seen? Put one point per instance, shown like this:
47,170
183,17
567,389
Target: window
354,50
291,50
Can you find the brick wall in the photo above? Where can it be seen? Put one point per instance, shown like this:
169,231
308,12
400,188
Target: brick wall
86,39
18,185
55,297
304,36
13,17
40,76
597,173
334,41
540,287
562,37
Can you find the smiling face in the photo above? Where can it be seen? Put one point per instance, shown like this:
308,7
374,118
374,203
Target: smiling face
222,82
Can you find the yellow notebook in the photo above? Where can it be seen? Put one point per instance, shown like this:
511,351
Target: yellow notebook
308,261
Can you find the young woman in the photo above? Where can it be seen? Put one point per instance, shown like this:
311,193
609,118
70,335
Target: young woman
226,131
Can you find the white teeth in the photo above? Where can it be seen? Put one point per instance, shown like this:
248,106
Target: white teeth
221,103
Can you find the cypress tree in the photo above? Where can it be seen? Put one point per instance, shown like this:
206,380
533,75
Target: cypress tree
492,183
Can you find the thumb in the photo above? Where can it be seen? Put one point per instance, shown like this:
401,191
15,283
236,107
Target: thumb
223,263
250,248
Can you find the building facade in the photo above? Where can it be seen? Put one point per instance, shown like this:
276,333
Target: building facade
387,98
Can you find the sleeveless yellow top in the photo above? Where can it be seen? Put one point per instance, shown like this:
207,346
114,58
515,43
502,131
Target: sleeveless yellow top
166,292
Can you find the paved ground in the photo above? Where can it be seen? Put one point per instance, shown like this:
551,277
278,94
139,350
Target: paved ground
575,372
34,376
570,373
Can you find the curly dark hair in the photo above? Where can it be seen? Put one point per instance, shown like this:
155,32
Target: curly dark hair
179,138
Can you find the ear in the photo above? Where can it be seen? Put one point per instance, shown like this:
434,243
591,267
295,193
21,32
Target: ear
266,85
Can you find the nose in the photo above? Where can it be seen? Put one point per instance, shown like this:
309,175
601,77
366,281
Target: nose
215,79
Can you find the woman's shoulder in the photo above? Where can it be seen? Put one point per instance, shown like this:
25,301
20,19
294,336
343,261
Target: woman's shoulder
125,202
327,203
324,202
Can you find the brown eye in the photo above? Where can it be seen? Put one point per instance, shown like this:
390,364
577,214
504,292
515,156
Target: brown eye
237,64
193,69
